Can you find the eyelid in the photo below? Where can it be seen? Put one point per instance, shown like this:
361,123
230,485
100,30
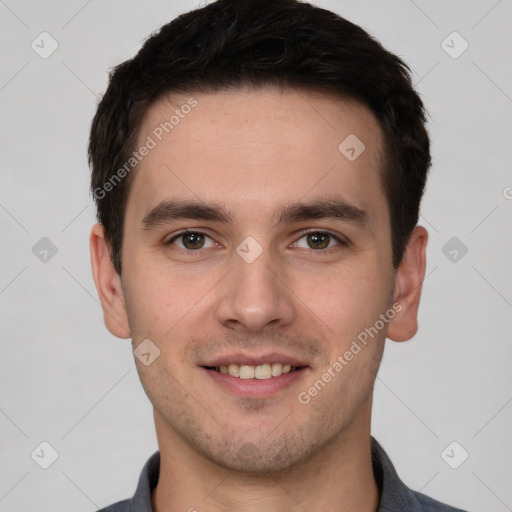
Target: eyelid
184,232
342,242
340,238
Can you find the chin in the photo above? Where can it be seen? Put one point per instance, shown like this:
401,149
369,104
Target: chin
259,457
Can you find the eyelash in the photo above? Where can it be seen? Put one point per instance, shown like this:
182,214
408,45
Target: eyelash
342,242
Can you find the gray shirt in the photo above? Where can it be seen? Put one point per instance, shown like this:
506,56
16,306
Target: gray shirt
394,495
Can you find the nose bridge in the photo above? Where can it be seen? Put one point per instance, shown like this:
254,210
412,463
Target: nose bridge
255,295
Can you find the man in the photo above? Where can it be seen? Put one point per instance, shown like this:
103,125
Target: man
258,169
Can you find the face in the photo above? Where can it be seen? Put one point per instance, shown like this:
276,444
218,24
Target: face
252,240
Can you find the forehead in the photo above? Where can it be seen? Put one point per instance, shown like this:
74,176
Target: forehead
257,149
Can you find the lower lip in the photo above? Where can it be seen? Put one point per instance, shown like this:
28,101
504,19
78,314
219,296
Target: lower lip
256,388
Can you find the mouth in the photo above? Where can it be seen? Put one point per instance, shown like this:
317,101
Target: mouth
260,377
260,372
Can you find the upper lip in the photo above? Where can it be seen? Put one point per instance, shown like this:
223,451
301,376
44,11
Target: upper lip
254,360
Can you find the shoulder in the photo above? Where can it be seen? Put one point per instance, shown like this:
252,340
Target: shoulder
141,501
426,504
120,506
395,496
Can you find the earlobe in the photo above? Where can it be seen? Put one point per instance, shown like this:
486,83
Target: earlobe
408,286
108,284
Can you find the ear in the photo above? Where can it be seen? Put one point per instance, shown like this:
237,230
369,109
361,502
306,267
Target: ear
408,284
108,284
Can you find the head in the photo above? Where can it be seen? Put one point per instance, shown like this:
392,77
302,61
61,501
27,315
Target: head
272,117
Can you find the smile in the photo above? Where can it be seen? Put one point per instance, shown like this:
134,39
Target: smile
256,381
260,372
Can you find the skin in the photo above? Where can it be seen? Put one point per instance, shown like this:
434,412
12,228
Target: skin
253,152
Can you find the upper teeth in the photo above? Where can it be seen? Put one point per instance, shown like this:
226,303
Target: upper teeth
262,371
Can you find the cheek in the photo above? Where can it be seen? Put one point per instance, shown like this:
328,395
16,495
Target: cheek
349,300
160,299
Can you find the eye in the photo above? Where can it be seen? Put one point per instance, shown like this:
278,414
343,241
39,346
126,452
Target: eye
318,240
191,240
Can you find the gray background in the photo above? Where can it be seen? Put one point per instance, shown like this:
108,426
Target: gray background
65,380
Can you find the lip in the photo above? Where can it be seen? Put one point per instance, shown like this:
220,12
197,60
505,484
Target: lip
255,388
254,360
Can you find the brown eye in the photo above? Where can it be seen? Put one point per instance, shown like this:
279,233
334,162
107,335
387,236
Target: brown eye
191,240
318,240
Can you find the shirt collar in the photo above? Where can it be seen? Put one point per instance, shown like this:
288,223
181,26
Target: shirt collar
394,495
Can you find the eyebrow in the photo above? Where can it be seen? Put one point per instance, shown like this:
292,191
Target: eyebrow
327,208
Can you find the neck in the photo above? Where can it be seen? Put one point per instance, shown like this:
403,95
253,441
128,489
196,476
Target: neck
339,475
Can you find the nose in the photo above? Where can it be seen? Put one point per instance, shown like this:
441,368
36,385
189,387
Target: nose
255,295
